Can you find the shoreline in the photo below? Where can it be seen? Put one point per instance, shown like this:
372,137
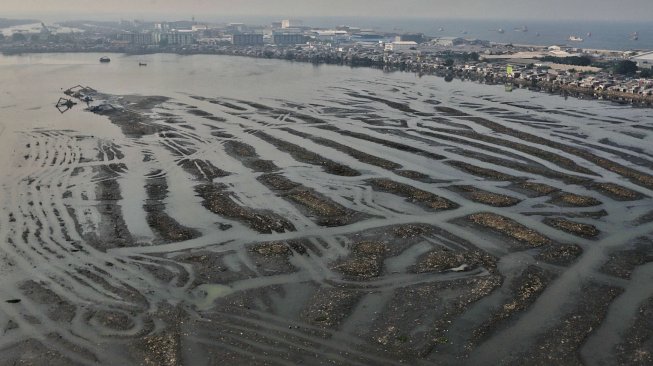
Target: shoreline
458,71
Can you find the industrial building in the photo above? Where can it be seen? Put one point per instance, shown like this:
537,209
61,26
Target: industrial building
291,23
401,46
143,39
179,38
247,39
283,38
644,60
449,41
411,37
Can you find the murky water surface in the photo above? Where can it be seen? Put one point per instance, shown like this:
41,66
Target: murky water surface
228,210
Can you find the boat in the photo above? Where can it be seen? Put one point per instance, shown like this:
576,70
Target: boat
589,34
142,64
634,36
440,29
500,30
521,29
575,39
105,59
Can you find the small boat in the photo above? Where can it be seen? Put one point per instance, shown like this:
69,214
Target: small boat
589,34
634,36
105,59
575,39
500,30
142,64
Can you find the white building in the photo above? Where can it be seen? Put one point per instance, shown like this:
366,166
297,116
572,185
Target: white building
291,23
644,60
331,35
180,38
401,46
449,41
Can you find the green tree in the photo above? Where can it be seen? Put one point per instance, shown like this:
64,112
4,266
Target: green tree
646,73
625,67
448,62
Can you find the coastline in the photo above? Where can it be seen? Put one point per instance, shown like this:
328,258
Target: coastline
375,61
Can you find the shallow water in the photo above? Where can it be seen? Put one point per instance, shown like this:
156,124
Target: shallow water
101,254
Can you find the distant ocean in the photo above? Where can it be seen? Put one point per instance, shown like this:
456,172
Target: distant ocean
604,34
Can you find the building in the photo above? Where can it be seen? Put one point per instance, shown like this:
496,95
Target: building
162,27
283,38
247,39
291,23
236,28
411,37
368,37
142,39
330,35
401,46
449,41
644,60
177,38
182,25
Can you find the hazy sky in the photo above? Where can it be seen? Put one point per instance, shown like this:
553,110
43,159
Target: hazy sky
499,9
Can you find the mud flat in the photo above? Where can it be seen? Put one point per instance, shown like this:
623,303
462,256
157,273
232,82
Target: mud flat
489,198
158,219
130,113
217,200
414,195
559,345
322,209
248,156
353,221
508,227
576,228
305,156
636,348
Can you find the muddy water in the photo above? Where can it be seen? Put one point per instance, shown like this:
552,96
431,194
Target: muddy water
266,212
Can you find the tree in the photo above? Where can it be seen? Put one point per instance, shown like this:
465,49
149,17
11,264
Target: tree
625,67
448,62
646,73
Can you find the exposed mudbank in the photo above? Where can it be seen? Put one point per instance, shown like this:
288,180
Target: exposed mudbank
401,226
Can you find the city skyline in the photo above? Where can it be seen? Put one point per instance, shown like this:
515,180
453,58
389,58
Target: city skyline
212,9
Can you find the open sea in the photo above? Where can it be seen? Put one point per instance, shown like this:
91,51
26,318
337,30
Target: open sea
612,35
604,34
